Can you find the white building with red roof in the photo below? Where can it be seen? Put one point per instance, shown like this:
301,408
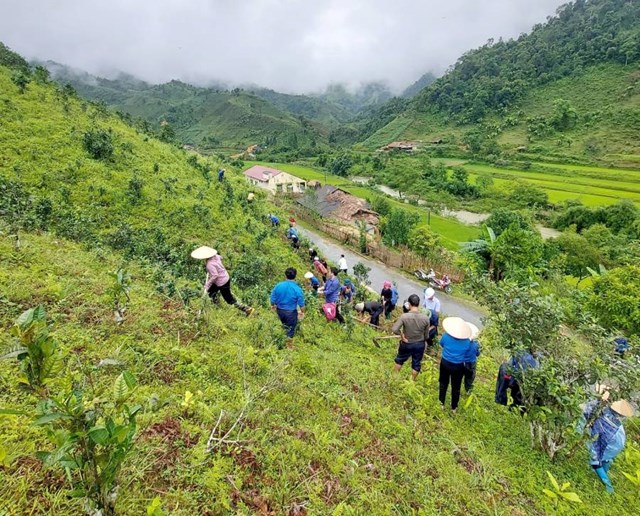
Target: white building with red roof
274,180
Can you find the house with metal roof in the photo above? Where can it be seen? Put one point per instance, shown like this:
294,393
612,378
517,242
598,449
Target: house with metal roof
274,180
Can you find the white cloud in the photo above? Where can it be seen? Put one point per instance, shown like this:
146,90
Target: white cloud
287,45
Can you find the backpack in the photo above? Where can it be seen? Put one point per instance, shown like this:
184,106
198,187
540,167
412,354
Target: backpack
394,296
329,310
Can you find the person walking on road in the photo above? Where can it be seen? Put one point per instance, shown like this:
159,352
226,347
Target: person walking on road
342,264
218,279
373,308
472,358
286,298
413,327
455,347
431,302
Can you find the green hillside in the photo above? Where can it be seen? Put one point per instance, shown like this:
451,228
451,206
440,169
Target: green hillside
211,412
207,117
570,88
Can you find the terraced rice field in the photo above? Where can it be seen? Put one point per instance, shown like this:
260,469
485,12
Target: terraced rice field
594,186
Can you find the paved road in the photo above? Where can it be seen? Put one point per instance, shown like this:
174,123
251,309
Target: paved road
380,272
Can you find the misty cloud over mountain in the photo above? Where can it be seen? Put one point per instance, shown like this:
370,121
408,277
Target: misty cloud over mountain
287,45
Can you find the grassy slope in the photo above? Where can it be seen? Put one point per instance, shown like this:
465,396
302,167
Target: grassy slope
451,231
337,432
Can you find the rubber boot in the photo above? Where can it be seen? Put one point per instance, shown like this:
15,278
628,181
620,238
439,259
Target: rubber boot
606,466
604,478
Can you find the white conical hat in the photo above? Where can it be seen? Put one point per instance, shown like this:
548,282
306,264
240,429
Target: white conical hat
203,253
308,275
474,331
623,407
456,327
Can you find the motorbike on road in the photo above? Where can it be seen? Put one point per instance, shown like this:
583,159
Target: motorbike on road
443,283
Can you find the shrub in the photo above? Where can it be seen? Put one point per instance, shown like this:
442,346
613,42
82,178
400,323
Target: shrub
98,143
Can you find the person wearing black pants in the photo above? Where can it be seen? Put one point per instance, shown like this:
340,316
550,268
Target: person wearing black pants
455,347
374,308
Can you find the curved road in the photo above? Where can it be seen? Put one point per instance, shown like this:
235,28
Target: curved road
380,272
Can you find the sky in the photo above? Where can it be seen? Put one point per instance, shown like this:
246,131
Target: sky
293,46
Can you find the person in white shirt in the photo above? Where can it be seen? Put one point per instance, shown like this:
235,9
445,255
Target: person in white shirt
342,264
431,302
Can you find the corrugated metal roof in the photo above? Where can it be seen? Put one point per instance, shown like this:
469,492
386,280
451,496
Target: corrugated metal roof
258,171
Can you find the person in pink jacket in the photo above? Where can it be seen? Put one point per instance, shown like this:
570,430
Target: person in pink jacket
218,279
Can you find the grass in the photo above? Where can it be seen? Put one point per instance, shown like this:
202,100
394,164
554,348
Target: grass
451,231
334,432
367,430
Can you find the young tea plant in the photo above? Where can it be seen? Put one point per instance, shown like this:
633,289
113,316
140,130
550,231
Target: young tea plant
119,292
560,492
35,349
92,438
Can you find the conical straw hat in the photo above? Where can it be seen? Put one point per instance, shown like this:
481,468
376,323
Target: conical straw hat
456,327
623,407
474,331
203,253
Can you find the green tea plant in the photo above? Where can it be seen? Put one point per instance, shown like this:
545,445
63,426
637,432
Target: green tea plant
361,273
99,144
560,492
36,350
92,433
119,293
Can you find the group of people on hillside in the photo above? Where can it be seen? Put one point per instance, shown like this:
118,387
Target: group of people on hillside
417,329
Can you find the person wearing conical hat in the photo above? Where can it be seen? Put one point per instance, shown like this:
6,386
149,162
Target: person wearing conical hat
607,436
218,279
313,281
455,347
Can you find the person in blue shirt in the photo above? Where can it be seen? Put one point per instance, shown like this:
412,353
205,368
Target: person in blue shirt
331,291
292,234
621,346
286,297
607,435
314,282
275,221
221,174
455,347
471,359
347,291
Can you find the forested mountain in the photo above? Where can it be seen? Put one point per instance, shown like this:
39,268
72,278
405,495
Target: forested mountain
509,88
207,117
415,88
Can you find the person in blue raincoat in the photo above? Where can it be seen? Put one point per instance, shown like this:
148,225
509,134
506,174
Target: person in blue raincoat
607,436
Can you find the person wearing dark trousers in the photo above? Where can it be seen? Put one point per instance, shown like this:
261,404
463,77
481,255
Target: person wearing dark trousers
455,346
386,298
218,280
331,292
374,308
413,327
434,320
286,298
471,361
